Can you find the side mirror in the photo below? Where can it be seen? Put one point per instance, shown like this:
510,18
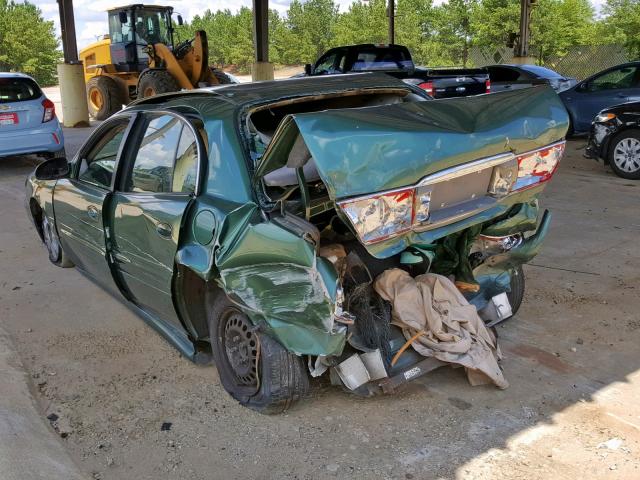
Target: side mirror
180,21
52,169
122,16
307,69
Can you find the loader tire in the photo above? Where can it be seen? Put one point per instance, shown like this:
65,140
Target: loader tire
254,368
155,82
104,97
223,78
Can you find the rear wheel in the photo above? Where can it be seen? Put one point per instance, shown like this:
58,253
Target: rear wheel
624,154
516,294
254,368
104,97
155,82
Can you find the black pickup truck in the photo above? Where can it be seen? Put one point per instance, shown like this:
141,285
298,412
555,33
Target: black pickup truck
396,60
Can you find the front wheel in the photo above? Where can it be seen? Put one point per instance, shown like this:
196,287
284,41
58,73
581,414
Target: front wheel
254,368
624,154
516,294
52,244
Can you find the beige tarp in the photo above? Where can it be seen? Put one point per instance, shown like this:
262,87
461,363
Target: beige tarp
453,331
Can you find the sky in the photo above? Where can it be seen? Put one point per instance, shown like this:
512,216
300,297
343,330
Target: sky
91,17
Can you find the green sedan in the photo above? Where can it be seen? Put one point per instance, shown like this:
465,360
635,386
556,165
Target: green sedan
246,223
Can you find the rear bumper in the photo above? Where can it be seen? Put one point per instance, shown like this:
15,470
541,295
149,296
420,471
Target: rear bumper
33,141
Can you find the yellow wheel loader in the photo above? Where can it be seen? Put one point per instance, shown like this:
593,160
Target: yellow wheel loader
139,59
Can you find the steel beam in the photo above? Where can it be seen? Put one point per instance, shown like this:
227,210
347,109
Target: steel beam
392,20
68,29
261,29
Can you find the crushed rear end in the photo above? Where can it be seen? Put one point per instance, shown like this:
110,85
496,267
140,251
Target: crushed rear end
446,187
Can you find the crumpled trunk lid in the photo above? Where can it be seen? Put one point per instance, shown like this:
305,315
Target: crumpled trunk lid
367,150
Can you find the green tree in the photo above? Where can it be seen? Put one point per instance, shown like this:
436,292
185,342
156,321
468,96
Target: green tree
362,23
36,56
622,24
454,29
309,29
557,25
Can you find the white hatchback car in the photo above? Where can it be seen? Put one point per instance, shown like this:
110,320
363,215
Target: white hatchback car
28,123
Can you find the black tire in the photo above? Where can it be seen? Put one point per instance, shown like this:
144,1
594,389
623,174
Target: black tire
104,97
155,82
223,78
624,154
270,385
52,243
516,294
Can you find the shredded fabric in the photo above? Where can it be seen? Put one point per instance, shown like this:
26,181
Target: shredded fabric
453,331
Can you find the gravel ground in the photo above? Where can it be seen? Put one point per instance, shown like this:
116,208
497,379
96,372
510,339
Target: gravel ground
129,406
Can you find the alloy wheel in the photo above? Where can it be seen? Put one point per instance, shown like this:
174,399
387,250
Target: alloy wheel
626,155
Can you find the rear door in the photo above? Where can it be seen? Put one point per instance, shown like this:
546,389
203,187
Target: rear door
20,104
157,183
79,201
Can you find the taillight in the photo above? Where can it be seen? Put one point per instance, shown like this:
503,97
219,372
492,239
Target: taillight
384,215
377,217
538,166
49,110
487,86
427,87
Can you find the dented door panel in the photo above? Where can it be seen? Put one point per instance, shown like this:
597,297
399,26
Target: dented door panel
277,278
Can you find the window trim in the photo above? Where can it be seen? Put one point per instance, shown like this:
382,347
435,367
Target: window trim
93,140
144,116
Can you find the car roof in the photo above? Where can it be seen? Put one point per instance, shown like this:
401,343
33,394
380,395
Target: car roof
14,75
246,94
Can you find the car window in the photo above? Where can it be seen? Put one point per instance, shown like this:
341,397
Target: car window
382,59
18,89
167,158
98,165
186,170
541,72
326,63
503,74
626,77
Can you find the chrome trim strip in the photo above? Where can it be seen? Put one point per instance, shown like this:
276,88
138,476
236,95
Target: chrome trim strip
441,176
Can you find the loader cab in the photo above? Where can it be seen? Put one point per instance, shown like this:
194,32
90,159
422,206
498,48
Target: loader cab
132,29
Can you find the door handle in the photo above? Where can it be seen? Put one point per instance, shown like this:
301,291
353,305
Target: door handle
92,211
164,230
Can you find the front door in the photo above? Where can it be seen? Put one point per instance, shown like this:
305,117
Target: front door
78,201
157,184
616,86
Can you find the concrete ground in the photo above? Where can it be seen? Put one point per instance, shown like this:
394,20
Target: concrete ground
130,406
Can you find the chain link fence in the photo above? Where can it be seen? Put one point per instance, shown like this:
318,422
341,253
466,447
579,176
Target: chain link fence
580,61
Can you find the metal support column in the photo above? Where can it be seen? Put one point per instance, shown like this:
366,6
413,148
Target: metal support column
522,46
262,69
75,112
68,29
392,21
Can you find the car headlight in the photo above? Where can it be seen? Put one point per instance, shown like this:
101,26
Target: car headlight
604,117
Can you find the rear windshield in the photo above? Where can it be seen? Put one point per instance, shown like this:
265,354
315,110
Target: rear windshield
382,59
541,71
18,89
